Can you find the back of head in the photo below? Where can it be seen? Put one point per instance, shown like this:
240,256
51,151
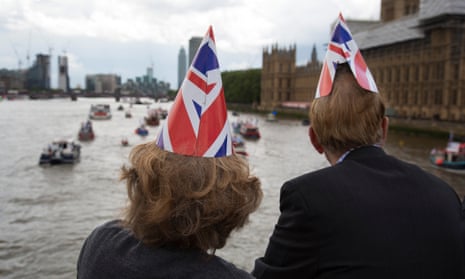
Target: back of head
350,116
187,201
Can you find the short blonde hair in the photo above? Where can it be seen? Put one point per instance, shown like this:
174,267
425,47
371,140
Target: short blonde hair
349,117
185,201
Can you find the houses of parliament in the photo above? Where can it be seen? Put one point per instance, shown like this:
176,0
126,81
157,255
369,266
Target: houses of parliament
416,53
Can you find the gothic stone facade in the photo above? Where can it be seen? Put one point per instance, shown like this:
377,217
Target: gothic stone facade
417,60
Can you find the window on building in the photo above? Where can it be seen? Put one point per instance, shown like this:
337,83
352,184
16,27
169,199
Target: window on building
437,97
453,97
424,98
439,71
404,97
425,72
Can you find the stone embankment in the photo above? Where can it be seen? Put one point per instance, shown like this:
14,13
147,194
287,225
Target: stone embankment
429,127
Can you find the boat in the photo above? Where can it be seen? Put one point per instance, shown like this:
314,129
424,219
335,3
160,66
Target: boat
142,131
249,131
238,144
124,141
152,118
86,132
271,117
100,111
451,157
60,151
162,113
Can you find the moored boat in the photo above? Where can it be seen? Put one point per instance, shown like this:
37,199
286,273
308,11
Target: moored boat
61,151
451,157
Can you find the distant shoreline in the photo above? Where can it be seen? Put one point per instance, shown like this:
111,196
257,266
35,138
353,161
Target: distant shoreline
432,128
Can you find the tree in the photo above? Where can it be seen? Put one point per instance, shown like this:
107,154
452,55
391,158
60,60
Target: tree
242,86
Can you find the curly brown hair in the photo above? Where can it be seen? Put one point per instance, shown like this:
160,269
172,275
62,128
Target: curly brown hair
185,201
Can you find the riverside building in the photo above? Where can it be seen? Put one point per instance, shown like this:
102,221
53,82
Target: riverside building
416,53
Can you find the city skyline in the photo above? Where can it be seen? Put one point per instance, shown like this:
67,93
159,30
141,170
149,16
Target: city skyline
123,38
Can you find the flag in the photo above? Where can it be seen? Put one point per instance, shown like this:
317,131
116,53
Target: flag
197,123
343,49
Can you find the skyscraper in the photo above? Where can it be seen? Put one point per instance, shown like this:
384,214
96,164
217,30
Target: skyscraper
182,66
38,76
194,44
63,77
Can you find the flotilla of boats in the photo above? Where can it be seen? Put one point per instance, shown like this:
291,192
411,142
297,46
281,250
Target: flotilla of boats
67,151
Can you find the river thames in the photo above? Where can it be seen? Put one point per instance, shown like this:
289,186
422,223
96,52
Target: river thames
46,212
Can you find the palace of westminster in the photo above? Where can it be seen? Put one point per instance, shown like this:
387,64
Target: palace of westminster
416,53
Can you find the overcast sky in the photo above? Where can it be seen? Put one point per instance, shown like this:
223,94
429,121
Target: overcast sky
125,37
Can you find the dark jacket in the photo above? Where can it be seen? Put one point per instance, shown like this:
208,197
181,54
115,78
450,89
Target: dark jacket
112,252
370,216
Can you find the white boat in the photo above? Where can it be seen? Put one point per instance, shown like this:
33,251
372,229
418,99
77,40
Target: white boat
61,151
100,111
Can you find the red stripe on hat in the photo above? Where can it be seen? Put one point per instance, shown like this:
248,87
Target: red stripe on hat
211,124
210,33
200,83
180,130
338,50
361,71
325,81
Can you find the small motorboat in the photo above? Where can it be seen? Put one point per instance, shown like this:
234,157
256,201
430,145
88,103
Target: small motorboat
238,144
100,112
142,131
152,118
271,117
249,131
451,157
124,141
60,151
86,132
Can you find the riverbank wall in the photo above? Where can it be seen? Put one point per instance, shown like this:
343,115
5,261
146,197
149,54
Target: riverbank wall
432,128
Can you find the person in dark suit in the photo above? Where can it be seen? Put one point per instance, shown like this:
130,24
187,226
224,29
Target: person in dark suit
368,215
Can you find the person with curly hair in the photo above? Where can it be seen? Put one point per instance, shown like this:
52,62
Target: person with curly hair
187,191
180,209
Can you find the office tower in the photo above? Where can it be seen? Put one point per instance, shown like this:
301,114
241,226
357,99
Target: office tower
182,66
63,77
38,76
194,44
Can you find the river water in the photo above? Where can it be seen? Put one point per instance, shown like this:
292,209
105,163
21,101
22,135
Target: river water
47,211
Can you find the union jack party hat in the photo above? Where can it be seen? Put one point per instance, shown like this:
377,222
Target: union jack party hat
343,49
197,123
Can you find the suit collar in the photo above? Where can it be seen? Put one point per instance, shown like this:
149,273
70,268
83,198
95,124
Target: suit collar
362,152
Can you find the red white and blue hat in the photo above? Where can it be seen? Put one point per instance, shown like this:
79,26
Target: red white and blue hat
343,49
197,123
